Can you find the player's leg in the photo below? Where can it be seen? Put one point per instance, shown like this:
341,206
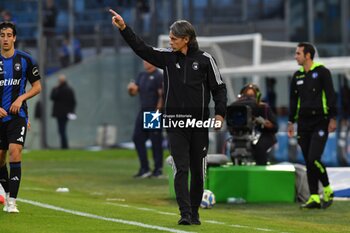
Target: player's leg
317,145
179,149
198,153
62,126
157,149
15,152
140,137
17,130
4,177
304,140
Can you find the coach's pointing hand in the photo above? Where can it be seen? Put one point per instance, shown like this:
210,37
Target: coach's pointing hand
117,20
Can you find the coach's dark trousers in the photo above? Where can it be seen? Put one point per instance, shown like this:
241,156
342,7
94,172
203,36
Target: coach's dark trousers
188,148
312,138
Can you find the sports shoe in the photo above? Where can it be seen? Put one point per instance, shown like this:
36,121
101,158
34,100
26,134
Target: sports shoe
143,174
157,173
195,219
6,197
185,220
5,207
328,196
314,202
12,206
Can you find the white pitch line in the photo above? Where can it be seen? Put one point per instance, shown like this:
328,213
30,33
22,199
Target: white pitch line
139,208
83,214
207,221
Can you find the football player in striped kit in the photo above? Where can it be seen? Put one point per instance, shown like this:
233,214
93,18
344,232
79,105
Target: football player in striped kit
16,68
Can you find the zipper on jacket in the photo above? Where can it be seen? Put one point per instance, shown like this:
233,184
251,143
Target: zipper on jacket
202,102
167,89
185,76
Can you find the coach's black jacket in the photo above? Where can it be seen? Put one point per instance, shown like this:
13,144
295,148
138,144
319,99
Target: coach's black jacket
312,94
188,79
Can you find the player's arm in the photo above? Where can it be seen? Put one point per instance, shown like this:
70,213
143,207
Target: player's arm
265,117
293,105
160,98
271,120
3,113
160,91
218,90
16,106
154,56
331,99
133,88
330,93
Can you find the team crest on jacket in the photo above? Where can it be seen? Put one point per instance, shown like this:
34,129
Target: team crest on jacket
321,133
17,67
195,65
315,75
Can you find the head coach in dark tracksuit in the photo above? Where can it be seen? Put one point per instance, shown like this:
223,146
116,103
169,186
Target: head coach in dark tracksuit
313,108
191,76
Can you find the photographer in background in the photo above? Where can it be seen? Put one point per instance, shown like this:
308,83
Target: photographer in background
264,119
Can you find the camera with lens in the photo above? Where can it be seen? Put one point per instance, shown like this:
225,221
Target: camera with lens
241,126
252,126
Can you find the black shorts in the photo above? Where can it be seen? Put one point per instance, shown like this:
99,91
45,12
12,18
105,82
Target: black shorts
13,131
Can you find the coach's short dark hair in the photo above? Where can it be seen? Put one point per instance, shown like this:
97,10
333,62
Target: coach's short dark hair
8,24
308,48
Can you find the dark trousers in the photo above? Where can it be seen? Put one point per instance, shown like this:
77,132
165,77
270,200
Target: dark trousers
266,141
188,148
312,138
140,137
62,126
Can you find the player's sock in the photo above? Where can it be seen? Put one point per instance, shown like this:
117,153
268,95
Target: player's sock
4,178
15,178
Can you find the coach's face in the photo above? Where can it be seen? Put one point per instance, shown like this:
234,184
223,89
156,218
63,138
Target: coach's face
7,39
178,43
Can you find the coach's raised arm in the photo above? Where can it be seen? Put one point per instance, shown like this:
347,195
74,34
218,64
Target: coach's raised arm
117,20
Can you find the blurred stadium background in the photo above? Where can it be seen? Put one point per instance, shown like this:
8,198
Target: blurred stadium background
252,40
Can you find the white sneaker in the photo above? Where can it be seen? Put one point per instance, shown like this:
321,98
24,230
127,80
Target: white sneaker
6,203
5,207
12,206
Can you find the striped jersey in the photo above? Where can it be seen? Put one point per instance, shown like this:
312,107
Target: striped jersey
15,71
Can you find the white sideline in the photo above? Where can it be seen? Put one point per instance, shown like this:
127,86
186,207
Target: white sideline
133,223
138,208
83,214
207,221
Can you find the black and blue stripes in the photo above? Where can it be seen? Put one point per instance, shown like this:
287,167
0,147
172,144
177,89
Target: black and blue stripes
15,71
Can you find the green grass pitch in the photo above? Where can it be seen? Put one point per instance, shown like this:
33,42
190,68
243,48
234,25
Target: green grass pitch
104,197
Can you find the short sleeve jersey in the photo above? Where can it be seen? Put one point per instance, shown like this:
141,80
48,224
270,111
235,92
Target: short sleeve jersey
15,71
149,84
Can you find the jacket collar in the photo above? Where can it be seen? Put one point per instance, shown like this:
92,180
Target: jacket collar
314,65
